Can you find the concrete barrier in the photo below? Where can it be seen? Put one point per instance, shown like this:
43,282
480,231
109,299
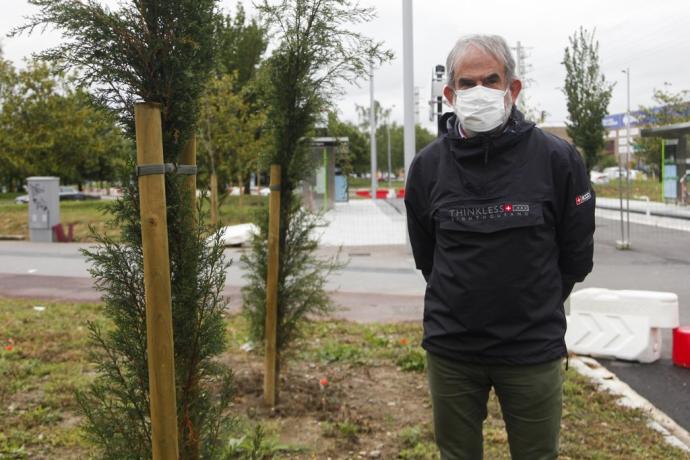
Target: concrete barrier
620,324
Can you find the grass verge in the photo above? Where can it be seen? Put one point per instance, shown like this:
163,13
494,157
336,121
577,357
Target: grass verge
638,188
14,217
347,390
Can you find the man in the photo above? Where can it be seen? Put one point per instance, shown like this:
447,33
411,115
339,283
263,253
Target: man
501,218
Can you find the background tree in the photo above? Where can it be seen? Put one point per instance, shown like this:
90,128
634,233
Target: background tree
357,157
239,46
531,109
231,116
588,95
159,51
229,133
422,137
317,51
7,76
669,107
50,127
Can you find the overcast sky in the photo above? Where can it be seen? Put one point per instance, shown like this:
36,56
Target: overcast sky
652,38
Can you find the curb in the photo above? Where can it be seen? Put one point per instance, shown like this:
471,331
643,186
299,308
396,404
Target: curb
606,380
12,238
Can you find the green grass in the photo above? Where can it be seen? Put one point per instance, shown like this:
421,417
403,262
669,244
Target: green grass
358,345
649,188
363,182
42,364
8,197
14,217
417,443
239,210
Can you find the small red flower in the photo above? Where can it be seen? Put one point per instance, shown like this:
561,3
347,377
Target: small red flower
323,383
9,347
404,342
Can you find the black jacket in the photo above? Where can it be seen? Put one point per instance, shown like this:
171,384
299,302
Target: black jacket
501,227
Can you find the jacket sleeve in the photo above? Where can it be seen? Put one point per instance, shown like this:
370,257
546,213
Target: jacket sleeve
419,222
575,228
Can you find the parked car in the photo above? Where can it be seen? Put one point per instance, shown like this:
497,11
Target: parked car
598,177
614,173
66,194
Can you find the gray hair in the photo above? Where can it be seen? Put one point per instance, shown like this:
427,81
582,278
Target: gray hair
494,45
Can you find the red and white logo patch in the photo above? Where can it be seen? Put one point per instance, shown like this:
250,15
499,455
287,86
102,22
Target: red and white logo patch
583,198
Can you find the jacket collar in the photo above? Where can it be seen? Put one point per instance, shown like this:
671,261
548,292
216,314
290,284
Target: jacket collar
496,141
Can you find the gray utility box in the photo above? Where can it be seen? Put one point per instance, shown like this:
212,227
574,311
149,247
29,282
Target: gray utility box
44,207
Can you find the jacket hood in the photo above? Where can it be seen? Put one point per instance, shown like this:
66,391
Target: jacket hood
481,144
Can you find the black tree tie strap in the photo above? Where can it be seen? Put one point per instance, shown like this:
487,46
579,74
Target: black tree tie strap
166,168
187,170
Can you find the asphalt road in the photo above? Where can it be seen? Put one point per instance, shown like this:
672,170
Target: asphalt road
660,261
380,284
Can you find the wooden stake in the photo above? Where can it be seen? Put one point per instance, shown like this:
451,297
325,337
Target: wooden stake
271,362
214,200
189,158
159,334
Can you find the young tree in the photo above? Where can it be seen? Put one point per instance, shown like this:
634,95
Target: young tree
317,51
670,107
588,95
159,51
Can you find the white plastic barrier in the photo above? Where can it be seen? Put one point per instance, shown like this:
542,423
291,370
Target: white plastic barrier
236,235
620,324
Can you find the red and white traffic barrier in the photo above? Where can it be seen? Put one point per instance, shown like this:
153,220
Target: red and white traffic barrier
681,346
620,324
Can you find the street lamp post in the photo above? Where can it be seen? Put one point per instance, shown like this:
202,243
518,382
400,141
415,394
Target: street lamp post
408,84
436,102
627,155
372,132
388,136
624,243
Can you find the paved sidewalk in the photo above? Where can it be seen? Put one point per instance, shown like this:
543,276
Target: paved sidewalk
379,283
364,222
653,208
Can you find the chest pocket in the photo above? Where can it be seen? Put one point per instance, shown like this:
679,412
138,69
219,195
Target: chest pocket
490,217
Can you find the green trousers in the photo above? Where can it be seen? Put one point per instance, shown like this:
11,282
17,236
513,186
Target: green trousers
530,397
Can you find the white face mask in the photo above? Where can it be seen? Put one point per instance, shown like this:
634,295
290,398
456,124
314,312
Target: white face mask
481,109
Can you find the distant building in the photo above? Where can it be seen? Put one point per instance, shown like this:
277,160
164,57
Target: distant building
617,142
615,136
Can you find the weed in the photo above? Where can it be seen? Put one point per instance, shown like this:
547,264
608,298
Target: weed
426,450
257,445
412,360
11,450
333,351
417,443
348,430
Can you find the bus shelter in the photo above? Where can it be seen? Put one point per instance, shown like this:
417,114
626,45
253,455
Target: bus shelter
675,159
326,184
